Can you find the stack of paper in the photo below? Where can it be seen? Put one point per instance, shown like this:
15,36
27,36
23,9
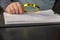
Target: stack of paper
32,17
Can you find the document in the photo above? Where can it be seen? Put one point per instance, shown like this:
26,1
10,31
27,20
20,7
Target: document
44,16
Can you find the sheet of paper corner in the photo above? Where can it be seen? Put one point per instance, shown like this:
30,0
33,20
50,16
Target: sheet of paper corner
35,17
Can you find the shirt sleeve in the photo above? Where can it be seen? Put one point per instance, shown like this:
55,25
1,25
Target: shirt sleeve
4,3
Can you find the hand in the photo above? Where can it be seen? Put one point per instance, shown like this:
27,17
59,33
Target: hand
14,7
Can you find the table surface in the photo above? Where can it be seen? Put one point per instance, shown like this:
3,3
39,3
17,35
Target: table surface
24,25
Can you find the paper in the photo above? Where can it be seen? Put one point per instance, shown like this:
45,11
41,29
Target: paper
32,17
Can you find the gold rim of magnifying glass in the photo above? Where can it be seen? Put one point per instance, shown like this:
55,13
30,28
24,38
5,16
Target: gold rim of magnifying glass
32,5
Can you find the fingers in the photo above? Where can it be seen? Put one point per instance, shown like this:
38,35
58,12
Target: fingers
20,8
14,7
8,9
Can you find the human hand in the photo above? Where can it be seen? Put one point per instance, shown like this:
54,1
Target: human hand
14,8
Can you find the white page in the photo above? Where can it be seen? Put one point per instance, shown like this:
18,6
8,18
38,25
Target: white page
32,17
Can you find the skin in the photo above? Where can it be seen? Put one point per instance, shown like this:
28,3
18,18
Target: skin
14,8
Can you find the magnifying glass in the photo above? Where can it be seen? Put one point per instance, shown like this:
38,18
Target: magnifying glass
31,7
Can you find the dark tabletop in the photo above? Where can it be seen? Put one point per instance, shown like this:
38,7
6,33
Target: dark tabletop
1,19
